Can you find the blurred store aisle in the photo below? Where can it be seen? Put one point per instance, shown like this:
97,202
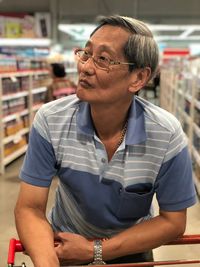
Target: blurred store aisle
9,186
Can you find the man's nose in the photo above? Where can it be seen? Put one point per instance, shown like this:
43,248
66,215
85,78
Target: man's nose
88,66
90,61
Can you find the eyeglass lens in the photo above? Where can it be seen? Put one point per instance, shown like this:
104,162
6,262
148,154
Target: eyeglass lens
99,63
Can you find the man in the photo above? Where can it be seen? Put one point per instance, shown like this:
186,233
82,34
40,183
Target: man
112,151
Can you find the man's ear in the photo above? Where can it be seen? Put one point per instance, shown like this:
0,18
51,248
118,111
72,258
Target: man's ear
139,78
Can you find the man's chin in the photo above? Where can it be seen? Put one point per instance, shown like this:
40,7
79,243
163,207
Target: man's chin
80,93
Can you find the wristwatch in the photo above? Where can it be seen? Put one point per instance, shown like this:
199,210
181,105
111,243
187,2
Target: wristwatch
97,253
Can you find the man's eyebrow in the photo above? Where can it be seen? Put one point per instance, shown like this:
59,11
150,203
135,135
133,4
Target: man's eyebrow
102,47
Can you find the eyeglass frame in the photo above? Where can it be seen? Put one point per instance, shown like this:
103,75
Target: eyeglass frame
95,59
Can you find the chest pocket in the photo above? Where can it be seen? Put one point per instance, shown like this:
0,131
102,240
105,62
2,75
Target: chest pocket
135,201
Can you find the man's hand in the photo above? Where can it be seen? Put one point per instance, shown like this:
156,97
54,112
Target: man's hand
73,248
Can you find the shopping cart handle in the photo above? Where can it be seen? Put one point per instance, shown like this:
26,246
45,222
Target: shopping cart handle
186,239
14,246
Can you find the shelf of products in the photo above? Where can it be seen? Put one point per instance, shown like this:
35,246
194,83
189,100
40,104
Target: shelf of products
22,92
180,95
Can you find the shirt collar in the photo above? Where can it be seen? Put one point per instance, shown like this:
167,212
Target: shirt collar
136,123
84,120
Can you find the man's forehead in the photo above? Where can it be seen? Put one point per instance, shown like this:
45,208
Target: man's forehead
100,45
112,30
109,36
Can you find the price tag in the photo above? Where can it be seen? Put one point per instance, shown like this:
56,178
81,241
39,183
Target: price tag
17,139
13,79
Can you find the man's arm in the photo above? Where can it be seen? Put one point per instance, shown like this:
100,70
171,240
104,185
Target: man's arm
146,235
139,238
32,226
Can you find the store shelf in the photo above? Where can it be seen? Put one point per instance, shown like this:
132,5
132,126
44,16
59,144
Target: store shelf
188,97
19,91
13,96
39,90
178,90
15,137
196,155
197,103
71,70
25,42
14,155
15,116
196,129
14,74
187,118
23,73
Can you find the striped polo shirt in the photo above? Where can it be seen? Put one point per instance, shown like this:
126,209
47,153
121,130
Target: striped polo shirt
96,197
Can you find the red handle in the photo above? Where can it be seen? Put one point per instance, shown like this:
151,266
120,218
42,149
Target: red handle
14,246
186,239
150,263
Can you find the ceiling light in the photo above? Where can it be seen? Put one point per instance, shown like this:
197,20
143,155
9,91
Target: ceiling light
184,35
177,38
81,32
77,31
157,27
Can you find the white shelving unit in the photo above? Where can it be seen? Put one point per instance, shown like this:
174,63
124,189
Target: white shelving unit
180,95
16,119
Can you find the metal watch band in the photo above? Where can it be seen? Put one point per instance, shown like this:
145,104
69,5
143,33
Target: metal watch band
98,253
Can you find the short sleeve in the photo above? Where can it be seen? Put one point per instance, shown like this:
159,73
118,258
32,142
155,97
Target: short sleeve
174,185
39,166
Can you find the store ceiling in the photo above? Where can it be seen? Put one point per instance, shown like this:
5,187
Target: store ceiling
156,12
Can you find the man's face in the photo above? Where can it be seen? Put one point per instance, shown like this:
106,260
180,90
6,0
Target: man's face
96,85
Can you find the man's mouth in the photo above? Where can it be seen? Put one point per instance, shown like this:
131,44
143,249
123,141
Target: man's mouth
84,83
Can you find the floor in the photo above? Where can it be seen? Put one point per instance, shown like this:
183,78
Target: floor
9,186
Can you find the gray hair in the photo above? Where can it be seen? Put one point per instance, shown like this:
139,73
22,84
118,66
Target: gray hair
141,48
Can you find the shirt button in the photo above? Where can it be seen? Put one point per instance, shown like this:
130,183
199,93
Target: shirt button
103,160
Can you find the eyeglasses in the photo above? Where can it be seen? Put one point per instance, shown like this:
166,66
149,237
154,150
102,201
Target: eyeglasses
100,62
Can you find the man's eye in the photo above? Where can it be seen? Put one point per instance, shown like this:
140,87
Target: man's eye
103,59
85,55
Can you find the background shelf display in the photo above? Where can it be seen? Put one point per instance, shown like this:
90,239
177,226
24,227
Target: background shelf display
180,95
21,95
